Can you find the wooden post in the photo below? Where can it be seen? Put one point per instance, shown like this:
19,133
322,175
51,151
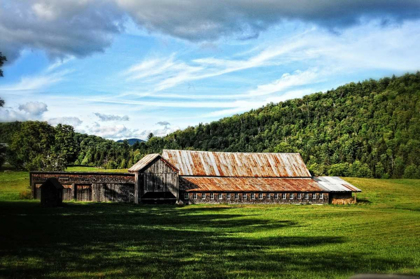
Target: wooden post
74,191
177,187
32,184
136,188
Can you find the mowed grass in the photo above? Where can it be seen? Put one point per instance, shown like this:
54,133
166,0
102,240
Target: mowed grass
91,240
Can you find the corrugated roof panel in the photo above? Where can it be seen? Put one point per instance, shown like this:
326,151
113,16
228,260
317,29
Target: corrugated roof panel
222,164
249,184
335,184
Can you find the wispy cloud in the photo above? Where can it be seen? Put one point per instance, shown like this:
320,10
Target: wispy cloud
287,81
31,83
169,72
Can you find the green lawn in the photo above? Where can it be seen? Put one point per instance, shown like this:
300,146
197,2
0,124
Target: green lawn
380,234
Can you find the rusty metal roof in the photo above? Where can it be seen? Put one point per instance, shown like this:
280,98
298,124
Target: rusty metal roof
248,184
146,160
228,164
335,184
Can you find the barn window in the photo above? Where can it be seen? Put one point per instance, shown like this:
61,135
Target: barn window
260,195
212,196
306,196
284,196
299,196
220,196
186,196
253,196
276,196
292,196
203,196
236,196
321,196
195,195
228,196
268,195
314,196
245,196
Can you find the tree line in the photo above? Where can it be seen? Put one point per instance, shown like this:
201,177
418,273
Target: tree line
364,129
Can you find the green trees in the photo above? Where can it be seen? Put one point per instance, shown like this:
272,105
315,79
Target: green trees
31,146
366,129
39,146
64,143
2,145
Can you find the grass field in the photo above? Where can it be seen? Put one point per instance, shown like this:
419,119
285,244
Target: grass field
380,234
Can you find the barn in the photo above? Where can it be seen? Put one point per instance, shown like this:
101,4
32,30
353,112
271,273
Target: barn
195,177
225,177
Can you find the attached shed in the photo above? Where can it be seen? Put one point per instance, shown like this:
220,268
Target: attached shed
341,192
156,180
51,193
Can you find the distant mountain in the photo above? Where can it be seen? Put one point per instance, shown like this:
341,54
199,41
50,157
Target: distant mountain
132,141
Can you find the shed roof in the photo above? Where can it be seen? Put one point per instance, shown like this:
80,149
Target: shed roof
148,159
335,184
249,184
229,164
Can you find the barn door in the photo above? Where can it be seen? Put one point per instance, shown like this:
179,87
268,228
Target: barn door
84,192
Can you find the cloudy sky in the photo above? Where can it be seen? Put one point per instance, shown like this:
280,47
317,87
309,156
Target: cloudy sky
124,68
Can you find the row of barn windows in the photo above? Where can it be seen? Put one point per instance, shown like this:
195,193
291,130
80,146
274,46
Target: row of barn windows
253,196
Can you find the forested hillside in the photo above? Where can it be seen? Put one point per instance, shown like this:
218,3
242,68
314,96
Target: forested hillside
365,129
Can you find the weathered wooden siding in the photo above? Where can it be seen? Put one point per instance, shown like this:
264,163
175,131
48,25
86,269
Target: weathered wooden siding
157,179
99,187
247,197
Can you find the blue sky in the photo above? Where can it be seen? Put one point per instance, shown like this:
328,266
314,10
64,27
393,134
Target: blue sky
122,68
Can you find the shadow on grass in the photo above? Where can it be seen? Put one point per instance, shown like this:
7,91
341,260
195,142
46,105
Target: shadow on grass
120,240
363,201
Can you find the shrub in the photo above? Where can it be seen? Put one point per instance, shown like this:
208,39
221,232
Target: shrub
25,195
412,171
339,169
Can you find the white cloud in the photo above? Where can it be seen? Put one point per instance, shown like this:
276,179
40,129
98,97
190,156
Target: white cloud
34,108
164,123
28,111
113,131
159,132
111,117
9,115
68,120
